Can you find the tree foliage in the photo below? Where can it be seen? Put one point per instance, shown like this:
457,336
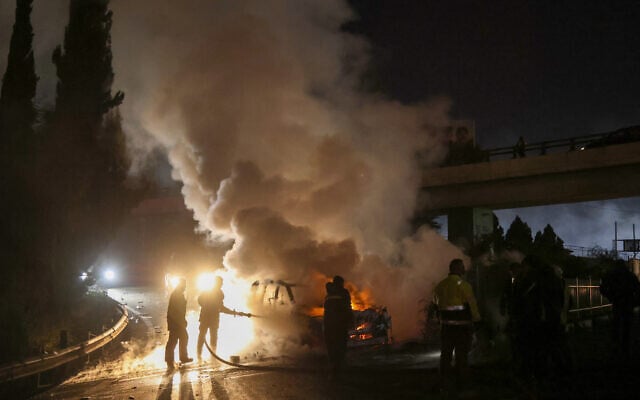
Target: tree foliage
518,236
18,216
17,111
92,194
83,67
549,246
68,203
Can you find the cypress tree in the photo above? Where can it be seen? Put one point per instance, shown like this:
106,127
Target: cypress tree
83,67
17,111
549,246
90,197
17,214
518,236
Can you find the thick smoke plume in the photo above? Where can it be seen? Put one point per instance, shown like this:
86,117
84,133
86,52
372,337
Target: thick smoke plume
257,106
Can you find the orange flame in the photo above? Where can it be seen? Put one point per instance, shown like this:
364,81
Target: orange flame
360,299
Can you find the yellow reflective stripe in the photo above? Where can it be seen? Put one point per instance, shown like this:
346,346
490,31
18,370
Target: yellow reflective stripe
454,322
453,308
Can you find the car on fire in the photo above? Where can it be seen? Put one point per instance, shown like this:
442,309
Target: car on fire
372,326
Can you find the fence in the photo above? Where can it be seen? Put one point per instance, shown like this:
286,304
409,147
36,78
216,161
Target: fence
541,148
586,299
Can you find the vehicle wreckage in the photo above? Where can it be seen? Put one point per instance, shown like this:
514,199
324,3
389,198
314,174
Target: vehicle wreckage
372,324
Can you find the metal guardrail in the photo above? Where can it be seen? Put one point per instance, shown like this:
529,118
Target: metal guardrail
586,299
541,148
36,365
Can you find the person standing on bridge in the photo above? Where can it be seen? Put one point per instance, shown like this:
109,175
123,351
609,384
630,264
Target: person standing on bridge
456,305
211,305
519,150
177,326
338,318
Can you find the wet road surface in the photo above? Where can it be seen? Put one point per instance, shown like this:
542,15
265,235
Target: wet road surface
409,373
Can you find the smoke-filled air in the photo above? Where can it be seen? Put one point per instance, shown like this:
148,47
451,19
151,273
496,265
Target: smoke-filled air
258,109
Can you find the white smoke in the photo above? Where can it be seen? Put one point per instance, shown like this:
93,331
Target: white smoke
256,105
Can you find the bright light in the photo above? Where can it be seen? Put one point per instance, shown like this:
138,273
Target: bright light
235,333
171,281
109,274
205,281
84,276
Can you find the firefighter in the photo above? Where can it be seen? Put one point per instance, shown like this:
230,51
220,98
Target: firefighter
338,318
211,305
458,311
177,325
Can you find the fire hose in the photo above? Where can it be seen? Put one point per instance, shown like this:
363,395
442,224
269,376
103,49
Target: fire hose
281,368
303,370
256,367
260,367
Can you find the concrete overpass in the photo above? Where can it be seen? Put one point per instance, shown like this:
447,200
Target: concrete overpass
602,173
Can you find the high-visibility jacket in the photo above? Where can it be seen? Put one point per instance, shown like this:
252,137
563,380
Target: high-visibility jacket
455,301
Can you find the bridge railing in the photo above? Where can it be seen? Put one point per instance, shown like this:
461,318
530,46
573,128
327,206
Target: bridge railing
586,299
541,148
37,365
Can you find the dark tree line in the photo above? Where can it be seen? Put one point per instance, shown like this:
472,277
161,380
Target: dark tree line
64,180
546,244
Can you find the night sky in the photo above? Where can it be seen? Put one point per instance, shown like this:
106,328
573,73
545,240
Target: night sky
543,70
547,69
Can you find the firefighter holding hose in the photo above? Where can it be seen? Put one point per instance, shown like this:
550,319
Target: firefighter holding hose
458,311
211,305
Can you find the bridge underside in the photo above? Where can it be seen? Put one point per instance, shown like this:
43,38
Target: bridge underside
588,175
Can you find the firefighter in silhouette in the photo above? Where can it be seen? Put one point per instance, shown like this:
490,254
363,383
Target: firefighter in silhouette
458,311
211,305
622,288
338,318
177,325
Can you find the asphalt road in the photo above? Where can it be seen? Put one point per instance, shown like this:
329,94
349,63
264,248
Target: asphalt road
139,371
402,372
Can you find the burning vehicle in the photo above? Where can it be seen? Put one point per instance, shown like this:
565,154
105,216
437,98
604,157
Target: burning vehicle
372,325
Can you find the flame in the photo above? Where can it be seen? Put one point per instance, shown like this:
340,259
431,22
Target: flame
315,311
235,333
361,336
360,299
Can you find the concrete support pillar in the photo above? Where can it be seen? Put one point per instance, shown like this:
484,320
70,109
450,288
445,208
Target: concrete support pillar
466,225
